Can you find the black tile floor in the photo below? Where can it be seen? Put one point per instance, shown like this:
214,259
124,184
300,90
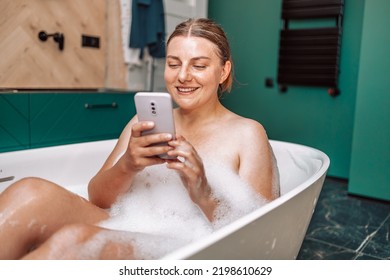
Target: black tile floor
346,227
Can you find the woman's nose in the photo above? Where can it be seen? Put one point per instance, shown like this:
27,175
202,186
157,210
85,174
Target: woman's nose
184,74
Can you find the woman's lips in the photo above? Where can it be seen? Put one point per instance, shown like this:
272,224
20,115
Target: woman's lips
186,90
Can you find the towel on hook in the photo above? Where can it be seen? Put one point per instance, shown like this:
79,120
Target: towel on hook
148,27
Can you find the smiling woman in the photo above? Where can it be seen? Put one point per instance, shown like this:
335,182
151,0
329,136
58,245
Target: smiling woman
198,68
198,64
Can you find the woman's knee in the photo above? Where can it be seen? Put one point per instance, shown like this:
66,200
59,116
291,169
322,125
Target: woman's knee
69,242
84,241
27,184
29,188
75,233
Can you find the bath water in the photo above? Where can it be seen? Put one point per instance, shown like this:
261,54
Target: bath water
157,215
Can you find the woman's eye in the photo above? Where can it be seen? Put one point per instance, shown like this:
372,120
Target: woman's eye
199,67
173,65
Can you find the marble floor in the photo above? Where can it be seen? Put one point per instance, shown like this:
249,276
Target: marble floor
346,227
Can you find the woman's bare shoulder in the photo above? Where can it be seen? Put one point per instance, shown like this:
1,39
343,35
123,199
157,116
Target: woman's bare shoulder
247,128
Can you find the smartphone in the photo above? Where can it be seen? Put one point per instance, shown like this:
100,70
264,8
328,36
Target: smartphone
156,107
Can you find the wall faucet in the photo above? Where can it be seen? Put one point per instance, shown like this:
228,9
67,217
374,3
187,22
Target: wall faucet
58,37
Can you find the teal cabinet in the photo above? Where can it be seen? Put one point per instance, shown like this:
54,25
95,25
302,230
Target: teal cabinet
70,118
14,126
39,120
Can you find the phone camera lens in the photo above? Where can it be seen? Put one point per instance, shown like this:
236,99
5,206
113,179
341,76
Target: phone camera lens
152,103
153,108
153,112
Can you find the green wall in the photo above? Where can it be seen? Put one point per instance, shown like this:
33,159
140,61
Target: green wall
302,115
370,163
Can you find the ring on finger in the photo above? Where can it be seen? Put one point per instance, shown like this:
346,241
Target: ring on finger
181,159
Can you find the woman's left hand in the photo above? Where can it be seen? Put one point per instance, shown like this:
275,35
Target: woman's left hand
190,167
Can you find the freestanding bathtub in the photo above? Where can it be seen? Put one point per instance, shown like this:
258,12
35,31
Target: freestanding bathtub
275,231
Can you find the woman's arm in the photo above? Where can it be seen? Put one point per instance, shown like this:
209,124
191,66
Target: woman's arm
114,177
131,154
193,175
257,164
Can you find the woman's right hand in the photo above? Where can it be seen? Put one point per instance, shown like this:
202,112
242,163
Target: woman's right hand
140,153
131,154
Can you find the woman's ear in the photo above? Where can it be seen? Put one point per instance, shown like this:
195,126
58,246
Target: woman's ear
225,71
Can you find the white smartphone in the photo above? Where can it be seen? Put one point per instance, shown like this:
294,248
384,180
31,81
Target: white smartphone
156,107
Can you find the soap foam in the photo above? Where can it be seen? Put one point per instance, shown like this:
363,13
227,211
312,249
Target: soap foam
236,198
158,216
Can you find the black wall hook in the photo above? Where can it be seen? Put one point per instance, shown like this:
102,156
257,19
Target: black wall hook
58,37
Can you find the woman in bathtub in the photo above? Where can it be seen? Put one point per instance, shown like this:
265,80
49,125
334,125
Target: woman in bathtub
41,220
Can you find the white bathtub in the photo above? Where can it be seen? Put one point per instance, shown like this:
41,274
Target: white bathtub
275,231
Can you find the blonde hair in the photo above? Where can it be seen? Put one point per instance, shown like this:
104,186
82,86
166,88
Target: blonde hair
208,29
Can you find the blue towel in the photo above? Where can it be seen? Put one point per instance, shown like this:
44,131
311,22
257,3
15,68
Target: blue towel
148,27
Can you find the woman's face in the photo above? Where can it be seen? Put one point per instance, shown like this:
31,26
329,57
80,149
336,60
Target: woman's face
193,71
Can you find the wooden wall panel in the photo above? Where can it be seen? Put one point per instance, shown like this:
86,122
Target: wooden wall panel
26,62
116,71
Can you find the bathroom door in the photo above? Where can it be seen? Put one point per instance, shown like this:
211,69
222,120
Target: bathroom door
26,62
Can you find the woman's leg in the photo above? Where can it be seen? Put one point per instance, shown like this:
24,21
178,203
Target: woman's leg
82,241
32,209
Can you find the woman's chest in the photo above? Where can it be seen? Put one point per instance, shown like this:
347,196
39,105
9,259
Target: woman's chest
220,149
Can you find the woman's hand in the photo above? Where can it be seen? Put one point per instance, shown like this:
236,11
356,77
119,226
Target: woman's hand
116,176
140,151
192,173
